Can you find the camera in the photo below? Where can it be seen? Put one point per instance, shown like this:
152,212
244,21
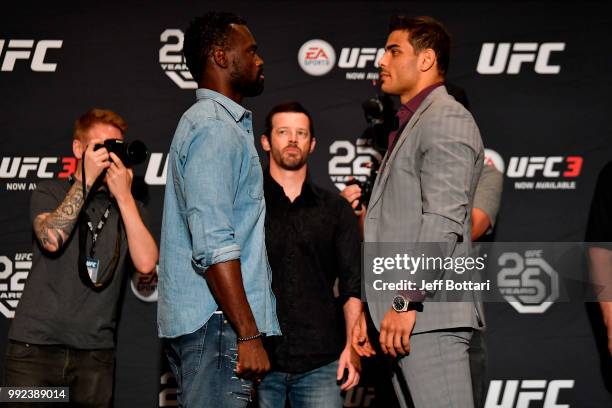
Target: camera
380,117
130,153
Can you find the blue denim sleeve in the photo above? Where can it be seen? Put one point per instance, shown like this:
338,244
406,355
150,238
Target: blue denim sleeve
211,172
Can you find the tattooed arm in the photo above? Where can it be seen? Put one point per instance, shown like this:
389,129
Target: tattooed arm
52,229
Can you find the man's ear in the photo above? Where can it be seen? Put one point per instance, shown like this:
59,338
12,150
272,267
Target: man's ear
265,143
427,59
220,57
77,149
313,143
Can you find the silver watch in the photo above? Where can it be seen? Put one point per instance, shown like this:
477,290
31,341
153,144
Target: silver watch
400,304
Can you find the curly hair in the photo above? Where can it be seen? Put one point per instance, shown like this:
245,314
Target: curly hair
204,33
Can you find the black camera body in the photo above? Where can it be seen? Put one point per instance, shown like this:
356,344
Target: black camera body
130,153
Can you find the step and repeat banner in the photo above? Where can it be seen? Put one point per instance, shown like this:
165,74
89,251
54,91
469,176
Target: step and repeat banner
536,75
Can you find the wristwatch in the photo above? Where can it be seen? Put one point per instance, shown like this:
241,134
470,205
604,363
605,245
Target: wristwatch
400,304
403,304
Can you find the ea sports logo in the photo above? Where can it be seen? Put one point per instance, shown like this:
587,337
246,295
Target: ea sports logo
144,286
493,158
316,57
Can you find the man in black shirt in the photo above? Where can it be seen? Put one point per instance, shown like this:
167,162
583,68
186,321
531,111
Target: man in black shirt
312,240
64,327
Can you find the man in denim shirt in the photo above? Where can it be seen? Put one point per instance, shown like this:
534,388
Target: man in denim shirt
215,296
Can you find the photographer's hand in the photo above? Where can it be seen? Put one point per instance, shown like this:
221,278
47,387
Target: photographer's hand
142,246
352,194
119,179
96,161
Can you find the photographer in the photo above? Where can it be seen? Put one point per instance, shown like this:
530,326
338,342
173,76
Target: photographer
64,328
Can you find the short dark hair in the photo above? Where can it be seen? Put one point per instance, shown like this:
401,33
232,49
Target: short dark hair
425,32
205,32
289,106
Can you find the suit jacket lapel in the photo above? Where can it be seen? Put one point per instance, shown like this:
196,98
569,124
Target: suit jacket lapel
388,159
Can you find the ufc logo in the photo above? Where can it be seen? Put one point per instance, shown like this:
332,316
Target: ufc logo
530,390
22,50
359,57
502,60
20,167
550,167
156,173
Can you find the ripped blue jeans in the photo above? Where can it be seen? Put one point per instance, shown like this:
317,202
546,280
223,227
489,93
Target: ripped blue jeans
203,363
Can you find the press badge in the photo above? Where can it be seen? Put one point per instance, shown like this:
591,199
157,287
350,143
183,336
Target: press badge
92,268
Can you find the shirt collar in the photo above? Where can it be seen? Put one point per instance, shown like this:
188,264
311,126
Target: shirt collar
309,192
232,107
413,104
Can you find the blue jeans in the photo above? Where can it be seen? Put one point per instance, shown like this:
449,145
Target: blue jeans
313,389
203,363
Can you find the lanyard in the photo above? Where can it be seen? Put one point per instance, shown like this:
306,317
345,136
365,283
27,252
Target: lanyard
98,229
106,271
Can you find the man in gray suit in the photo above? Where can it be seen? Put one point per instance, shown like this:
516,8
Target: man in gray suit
424,193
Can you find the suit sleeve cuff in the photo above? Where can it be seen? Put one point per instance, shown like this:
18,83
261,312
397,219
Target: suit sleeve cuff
413,295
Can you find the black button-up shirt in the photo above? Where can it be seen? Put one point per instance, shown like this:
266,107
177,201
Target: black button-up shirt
310,243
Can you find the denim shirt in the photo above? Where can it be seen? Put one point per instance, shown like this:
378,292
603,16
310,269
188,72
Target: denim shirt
214,211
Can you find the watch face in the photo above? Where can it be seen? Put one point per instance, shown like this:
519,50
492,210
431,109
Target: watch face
399,303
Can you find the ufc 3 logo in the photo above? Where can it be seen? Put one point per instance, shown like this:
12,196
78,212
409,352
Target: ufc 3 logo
530,390
510,57
26,49
21,167
550,167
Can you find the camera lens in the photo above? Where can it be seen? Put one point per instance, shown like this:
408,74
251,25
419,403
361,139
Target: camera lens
137,152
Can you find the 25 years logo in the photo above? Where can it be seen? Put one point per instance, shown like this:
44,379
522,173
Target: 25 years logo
172,60
527,282
351,160
13,274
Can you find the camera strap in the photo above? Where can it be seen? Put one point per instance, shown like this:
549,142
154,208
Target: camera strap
83,179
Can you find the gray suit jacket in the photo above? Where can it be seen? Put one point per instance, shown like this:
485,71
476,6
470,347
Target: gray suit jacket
425,194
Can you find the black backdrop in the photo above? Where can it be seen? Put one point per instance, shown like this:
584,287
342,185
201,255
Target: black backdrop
548,113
